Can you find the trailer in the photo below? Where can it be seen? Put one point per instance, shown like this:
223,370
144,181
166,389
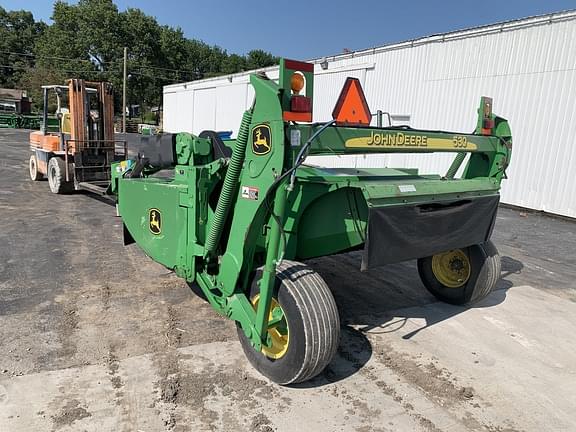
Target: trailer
15,110
237,218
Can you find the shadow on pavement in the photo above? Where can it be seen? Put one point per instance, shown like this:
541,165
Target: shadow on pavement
383,300
354,352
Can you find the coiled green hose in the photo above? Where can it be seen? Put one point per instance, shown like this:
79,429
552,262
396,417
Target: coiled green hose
455,165
230,183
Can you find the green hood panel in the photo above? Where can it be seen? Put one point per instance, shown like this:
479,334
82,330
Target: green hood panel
151,212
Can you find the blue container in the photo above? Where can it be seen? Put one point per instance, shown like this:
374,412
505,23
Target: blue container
225,135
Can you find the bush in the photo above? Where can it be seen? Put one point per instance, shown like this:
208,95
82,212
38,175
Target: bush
149,118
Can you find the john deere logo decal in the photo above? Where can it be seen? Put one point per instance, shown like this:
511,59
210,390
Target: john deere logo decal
261,140
155,221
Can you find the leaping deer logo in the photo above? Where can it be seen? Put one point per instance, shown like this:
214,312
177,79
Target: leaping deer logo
155,221
261,144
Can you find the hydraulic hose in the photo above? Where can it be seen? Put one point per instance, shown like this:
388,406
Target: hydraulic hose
455,165
302,153
230,184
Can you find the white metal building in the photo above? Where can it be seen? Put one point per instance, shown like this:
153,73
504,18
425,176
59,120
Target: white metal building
528,66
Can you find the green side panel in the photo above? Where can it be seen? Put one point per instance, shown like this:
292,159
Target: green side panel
332,223
329,214
140,197
389,186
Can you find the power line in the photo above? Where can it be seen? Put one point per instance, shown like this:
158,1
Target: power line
52,67
71,71
134,64
46,57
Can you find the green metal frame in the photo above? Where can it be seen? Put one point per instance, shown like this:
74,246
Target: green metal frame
216,231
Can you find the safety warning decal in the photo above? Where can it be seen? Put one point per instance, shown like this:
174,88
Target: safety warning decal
250,193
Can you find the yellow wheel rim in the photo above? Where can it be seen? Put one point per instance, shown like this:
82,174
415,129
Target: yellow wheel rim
451,268
279,334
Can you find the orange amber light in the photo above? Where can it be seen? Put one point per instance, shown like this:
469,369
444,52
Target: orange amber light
297,82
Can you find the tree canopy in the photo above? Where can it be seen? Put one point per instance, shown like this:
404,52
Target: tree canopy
18,34
86,40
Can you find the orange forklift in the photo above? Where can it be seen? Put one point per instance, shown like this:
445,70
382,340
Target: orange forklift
78,155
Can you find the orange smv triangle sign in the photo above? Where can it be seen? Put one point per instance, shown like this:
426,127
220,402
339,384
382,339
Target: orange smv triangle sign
352,108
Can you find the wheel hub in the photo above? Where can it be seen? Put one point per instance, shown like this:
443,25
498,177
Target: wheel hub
278,335
451,268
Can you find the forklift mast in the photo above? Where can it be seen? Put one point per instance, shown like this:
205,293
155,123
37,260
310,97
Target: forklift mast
83,126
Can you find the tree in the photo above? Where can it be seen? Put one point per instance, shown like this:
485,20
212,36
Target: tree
233,64
258,59
18,34
86,40
142,36
63,51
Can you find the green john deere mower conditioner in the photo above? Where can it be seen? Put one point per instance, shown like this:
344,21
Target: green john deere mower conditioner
237,217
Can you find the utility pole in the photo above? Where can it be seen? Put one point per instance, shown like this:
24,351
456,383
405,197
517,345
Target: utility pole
124,92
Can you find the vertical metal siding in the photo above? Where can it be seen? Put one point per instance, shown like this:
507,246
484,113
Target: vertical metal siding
529,70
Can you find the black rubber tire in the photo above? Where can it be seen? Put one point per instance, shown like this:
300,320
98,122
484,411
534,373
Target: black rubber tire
485,268
35,175
313,323
57,176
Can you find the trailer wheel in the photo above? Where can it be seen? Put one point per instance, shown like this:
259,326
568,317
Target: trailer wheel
57,176
35,175
308,336
461,276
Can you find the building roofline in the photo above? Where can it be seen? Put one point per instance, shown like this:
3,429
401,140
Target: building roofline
510,25
499,27
220,77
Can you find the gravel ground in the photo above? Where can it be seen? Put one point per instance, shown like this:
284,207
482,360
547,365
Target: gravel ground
95,336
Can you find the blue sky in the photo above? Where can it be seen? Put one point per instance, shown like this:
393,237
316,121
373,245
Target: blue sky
307,29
